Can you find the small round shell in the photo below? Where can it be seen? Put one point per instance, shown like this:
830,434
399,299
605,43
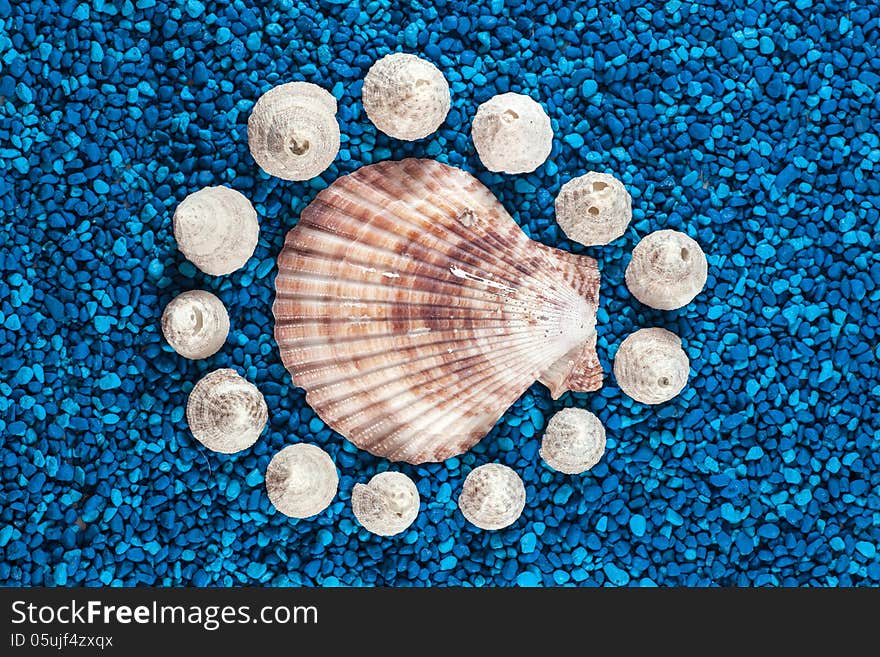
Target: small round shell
301,480
405,97
216,228
512,133
225,412
493,496
668,269
292,131
387,505
195,324
650,366
593,209
574,441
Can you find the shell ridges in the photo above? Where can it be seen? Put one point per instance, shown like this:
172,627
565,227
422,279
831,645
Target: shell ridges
387,505
301,480
225,412
650,366
292,131
405,96
414,311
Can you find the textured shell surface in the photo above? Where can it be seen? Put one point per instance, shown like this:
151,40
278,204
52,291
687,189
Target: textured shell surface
593,209
667,270
574,441
195,323
225,412
405,96
493,496
301,480
292,131
216,228
387,505
650,366
414,311
512,133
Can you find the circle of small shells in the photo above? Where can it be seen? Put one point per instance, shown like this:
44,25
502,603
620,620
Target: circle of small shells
293,134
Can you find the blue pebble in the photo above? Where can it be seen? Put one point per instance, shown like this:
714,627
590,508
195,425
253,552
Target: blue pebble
589,88
867,549
615,575
699,131
574,140
528,579
637,524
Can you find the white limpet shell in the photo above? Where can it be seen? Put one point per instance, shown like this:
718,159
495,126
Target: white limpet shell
292,131
387,505
493,496
195,324
226,413
650,366
301,480
574,441
216,228
414,310
512,133
668,269
405,96
593,209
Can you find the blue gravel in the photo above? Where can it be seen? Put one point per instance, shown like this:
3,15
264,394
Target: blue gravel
752,130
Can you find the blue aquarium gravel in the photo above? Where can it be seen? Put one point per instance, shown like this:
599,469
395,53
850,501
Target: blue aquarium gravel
753,130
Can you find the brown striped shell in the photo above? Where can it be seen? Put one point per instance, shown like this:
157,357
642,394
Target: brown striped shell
414,311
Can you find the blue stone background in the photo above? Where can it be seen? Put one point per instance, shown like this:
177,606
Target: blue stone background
754,130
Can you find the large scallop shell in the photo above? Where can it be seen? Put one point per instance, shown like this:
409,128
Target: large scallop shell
414,311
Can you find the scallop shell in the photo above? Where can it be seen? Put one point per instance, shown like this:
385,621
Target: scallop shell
650,366
387,505
292,131
405,97
574,441
512,133
301,480
593,209
225,412
668,269
493,496
414,311
195,324
216,228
